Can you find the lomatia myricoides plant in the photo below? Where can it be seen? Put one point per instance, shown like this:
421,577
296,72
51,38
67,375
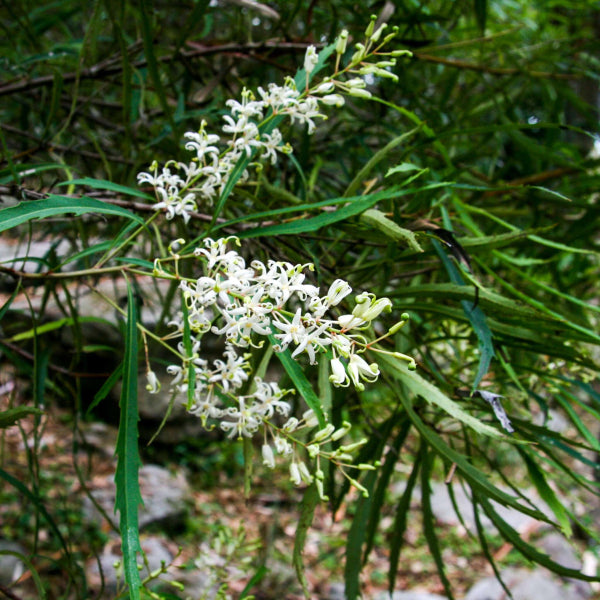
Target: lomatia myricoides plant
249,303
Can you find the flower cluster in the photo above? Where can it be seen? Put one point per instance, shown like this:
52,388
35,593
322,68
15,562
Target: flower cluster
250,126
180,187
244,304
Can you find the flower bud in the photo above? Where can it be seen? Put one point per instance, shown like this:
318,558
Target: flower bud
153,385
370,26
268,456
324,88
359,93
338,376
290,425
313,450
324,433
355,446
310,418
377,34
341,432
342,41
368,308
322,495
359,54
398,53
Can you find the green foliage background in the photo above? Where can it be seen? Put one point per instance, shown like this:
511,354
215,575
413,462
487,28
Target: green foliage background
485,229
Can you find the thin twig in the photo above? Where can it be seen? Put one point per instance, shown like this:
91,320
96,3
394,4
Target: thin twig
461,64
102,70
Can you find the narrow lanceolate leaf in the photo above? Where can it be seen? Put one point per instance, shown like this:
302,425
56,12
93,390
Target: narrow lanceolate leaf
356,538
475,478
538,478
514,537
103,184
400,523
301,383
128,496
12,415
377,220
429,526
59,205
476,317
421,387
307,513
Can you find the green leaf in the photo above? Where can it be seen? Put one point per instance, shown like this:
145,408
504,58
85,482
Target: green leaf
307,513
400,523
105,389
146,14
377,220
538,478
429,523
53,326
356,538
39,507
398,369
103,184
27,170
12,415
301,383
128,496
476,318
403,168
474,476
481,14
59,205
527,550
376,158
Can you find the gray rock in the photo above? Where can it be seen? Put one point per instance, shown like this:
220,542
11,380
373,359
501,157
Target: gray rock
524,585
444,511
559,550
336,591
409,596
164,495
11,567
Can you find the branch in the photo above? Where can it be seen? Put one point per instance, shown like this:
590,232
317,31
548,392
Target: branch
102,70
461,64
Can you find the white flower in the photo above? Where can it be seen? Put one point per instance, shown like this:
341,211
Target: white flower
231,373
268,399
368,307
245,422
203,143
153,385
282,446
338,376
249,107
292,332
333,100
358,369
338,290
